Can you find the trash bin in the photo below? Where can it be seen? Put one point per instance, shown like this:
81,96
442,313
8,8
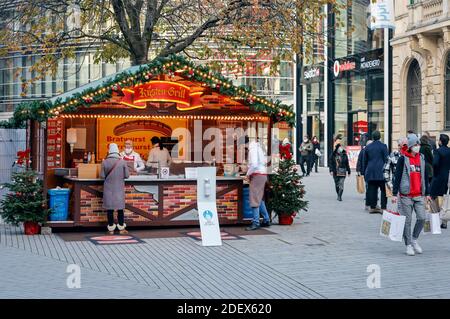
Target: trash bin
59,204
248,214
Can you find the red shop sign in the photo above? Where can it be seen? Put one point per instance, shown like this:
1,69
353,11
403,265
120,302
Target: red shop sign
162,91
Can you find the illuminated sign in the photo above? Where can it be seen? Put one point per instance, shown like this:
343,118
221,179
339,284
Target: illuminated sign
162,91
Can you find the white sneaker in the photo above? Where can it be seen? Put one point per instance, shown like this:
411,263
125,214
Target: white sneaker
416,247
410,250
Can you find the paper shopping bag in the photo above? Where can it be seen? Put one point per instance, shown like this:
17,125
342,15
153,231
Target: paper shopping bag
432,224
360,185
392,225
388,192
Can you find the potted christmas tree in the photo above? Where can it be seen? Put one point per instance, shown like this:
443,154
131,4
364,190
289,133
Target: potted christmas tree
25,202
286,191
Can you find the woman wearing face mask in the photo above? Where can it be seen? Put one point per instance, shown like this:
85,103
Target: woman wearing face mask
339,167
316,153
411,184
306,151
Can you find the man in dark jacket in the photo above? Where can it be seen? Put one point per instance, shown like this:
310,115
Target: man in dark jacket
374,158
411,184
441,166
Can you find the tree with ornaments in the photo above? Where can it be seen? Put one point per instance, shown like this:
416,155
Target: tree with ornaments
25,200
286,195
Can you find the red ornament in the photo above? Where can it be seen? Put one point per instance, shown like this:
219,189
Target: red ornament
218,86
191,72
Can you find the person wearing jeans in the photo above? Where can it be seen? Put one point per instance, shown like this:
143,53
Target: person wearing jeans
410,183
257,176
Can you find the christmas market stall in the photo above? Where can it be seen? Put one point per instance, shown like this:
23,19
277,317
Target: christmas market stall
172,99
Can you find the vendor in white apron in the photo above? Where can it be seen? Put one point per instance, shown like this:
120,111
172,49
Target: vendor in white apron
129,155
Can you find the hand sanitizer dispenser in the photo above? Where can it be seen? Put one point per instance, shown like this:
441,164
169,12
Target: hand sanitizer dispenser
207,187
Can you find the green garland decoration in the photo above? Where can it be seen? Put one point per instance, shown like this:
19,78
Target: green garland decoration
175,64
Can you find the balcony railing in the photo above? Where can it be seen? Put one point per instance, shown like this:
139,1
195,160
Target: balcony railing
424,12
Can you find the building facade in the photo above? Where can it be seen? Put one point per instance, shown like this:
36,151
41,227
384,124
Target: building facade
343,85
421,67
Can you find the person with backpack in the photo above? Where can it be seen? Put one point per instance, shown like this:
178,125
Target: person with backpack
114,171
339,167
410,183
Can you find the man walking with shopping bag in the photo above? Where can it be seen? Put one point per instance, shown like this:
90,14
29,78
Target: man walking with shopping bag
410,183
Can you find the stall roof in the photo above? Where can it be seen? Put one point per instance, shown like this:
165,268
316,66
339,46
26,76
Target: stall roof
94,84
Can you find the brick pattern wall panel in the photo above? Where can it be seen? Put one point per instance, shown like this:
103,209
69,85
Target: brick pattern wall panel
91,209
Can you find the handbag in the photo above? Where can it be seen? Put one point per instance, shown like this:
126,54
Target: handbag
340,171
318,153
432,221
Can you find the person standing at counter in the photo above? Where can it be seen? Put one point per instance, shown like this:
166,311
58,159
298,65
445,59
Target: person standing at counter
257,175
114,171
158,155
130,155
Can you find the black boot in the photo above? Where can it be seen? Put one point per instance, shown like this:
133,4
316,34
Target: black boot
340,195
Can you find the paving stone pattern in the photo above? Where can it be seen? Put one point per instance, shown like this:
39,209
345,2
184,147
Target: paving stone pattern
325,254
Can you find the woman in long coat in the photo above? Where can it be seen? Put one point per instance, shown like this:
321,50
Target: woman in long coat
441,167
114,171
339,168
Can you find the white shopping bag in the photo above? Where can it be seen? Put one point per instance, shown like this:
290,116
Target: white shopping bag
432,224
392,225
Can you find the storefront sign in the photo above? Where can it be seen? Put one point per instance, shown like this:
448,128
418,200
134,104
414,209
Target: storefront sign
353,153
139,132
341,66
382,14
55,143
207,207
311,74
162,91
363,62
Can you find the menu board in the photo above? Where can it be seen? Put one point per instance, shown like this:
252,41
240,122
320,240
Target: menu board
54,143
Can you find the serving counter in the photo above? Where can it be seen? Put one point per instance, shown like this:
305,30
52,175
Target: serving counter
152,202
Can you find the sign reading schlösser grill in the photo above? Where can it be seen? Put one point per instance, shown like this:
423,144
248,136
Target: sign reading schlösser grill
360,63
162,91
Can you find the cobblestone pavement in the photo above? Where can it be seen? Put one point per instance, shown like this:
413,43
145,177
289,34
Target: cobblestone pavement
325,254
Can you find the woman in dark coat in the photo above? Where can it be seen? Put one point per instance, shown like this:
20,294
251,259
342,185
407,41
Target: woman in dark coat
427,151
339,167
441,166
114,171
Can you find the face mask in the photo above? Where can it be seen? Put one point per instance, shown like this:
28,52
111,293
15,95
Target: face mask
415,149
305,140
128,150
340,150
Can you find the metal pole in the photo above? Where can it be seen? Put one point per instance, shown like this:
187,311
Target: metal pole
387,135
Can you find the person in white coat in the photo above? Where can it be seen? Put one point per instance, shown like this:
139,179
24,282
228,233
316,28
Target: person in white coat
129,155
257,176
158,156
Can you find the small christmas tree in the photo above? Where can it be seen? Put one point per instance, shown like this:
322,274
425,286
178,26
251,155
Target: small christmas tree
25,200
286,188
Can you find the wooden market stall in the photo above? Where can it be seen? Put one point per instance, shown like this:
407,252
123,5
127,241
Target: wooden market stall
180,103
